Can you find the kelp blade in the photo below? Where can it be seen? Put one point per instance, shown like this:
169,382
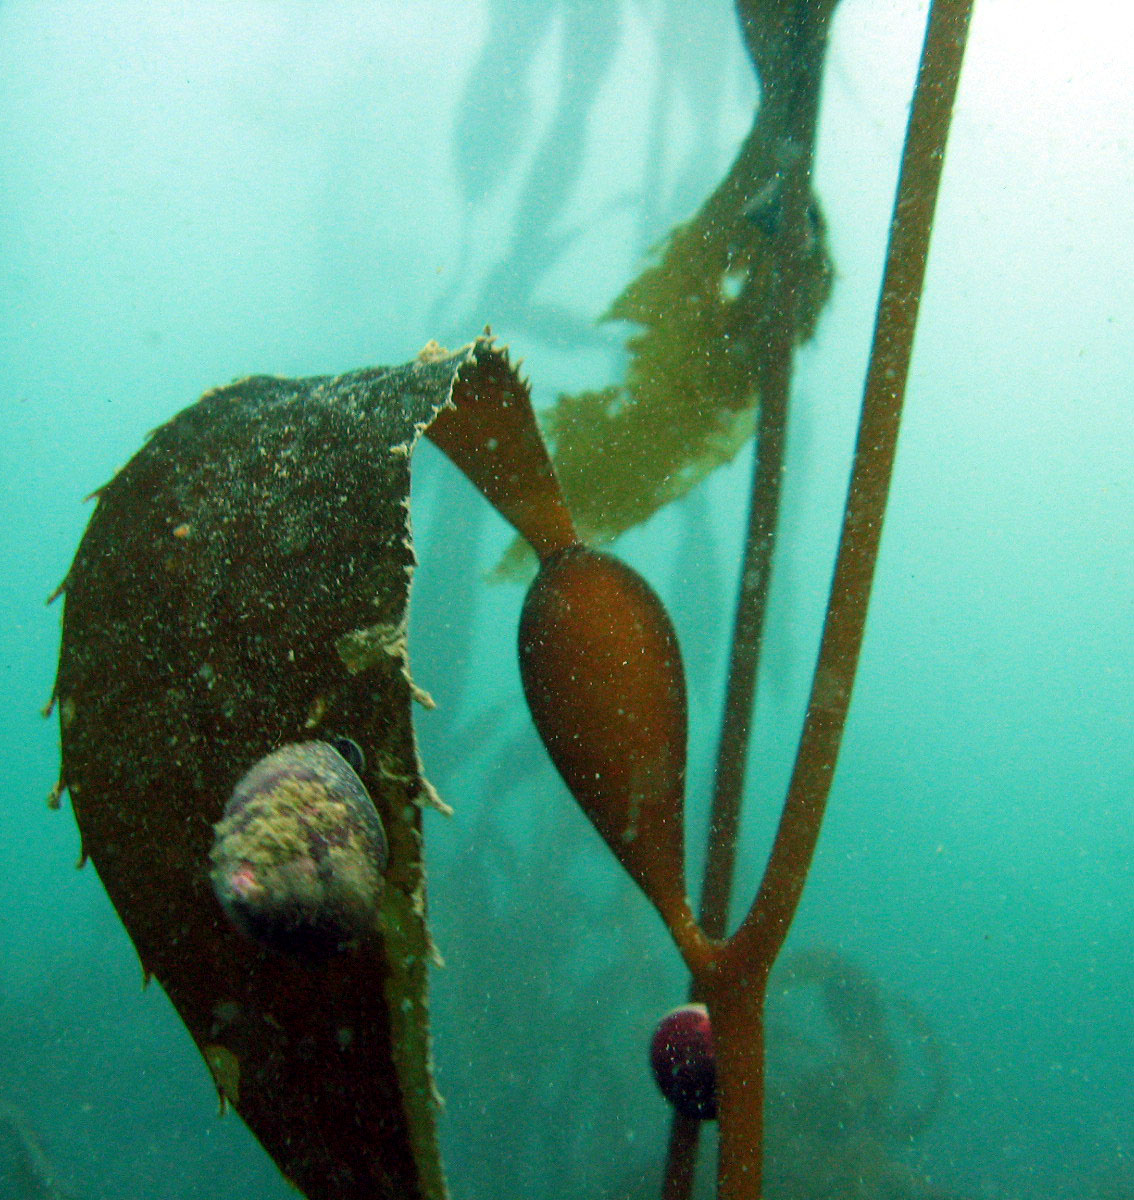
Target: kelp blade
699,314
243,583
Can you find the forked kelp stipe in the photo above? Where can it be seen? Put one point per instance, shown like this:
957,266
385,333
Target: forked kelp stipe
762,934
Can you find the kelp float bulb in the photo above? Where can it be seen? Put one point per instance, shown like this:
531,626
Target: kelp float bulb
684,1061
602,674
299,855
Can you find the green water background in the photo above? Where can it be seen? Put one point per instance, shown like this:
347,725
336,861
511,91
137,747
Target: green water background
191,193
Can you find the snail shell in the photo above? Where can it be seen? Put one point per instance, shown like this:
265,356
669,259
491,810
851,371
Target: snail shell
299,855
684,1061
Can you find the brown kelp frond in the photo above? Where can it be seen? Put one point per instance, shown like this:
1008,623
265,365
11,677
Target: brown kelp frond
243,584
693,383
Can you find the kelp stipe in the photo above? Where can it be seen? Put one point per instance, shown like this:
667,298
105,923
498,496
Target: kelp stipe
758,941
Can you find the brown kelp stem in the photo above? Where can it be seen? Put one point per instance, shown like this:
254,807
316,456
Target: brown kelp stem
744,966
779,335
767,923
795,90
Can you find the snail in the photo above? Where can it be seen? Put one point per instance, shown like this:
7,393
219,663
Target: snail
684,1061
299,855
351,751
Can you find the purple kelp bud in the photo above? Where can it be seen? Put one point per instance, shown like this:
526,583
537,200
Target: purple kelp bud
298,858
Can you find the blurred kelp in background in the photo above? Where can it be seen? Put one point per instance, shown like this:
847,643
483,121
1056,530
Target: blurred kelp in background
855,1078
545,1070
524,132
699,313
26,1172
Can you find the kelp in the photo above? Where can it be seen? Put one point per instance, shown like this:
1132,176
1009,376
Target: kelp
779,33
244,580
694,377
243,583
855,1078
26,1172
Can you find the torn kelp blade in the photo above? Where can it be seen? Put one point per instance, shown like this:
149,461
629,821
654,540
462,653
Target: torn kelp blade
243,584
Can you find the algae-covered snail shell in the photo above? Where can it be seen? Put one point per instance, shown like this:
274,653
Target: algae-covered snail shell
299,855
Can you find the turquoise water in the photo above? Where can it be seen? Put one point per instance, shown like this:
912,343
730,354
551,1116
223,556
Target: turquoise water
196,193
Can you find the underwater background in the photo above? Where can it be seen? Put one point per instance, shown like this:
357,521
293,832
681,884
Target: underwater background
193,193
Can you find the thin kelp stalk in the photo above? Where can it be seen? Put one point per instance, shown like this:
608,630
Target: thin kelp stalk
911,226
807,49
734,984
797,94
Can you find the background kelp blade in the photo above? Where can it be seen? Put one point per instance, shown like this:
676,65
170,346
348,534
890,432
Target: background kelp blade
243,583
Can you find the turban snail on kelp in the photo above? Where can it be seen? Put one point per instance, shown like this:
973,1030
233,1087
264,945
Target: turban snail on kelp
298,858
